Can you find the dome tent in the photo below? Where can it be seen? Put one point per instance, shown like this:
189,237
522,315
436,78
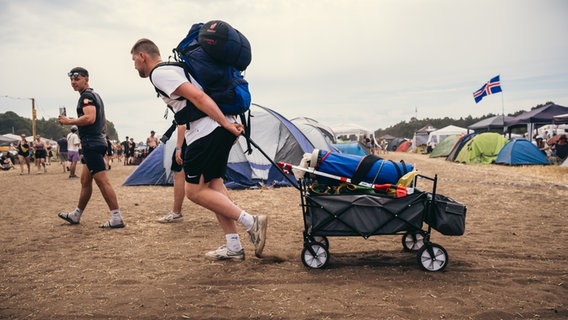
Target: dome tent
521,152
483,148
444,148
279,139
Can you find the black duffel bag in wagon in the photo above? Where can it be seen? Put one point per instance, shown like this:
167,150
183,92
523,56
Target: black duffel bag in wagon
446,216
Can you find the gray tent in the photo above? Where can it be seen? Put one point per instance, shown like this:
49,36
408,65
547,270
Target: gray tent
492,124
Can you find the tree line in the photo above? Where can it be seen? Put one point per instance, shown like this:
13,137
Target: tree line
50,128
406,129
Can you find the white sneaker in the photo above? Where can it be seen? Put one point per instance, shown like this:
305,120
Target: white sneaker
222,253
171,217
258,234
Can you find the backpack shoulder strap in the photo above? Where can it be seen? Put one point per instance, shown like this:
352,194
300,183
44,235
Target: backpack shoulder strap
161,64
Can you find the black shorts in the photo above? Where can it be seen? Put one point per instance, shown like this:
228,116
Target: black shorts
94,158
40,154
208,156
175,167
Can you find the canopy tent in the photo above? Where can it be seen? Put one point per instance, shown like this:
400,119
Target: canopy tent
542,115
6,140
483,148
491,124
561,118
521,152
437,136
274,134
534,118
347,129
444,148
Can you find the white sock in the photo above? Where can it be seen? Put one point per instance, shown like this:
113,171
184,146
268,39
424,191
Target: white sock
246,220
115,215
76,214
233,242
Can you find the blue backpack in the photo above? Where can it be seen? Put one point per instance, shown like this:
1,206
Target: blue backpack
216,55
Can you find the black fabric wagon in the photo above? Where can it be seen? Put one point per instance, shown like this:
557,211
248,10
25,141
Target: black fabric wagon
368,214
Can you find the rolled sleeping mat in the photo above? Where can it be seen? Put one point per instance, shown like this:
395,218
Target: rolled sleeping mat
370,169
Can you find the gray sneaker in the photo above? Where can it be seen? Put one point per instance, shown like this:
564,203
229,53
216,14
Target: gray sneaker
258,234
171,217
222,253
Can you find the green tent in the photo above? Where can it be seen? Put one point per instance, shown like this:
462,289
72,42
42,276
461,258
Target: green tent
483,148
444,148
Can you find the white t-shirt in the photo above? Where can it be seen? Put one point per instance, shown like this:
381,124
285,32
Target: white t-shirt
168,78
73,142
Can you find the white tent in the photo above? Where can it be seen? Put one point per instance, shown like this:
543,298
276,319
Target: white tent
320,135
437,136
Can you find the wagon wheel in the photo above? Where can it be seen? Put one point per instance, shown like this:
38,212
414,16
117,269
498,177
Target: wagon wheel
315,256
323,240
413,241
433,257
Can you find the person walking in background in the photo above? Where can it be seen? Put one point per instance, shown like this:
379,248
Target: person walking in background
61,151
152,142
91,122
125,150
49,154
179,178
73,144
209,140
24,150
40,153
131,150
109,152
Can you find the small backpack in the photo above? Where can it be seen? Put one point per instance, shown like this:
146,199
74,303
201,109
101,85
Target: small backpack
215,54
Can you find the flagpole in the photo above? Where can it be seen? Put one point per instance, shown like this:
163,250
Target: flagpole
503,107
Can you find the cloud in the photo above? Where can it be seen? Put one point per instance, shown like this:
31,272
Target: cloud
368,62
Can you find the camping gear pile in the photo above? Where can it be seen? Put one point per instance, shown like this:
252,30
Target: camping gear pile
347,195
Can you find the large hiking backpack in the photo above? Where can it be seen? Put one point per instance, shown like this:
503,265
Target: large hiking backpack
215,54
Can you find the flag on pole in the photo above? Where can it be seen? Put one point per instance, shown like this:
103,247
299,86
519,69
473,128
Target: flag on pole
491,87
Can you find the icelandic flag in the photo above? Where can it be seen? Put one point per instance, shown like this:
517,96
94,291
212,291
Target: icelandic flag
491,87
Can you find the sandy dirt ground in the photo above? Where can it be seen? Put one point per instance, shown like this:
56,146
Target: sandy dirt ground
511,263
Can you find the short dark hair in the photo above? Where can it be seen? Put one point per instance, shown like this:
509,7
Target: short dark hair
80,70
147,46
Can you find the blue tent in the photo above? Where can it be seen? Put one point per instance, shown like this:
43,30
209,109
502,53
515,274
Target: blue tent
521,152
350,148
280,139
151,171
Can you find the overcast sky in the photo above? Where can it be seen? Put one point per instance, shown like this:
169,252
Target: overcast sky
374,63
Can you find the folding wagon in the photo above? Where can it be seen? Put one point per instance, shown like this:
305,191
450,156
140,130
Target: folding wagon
365,212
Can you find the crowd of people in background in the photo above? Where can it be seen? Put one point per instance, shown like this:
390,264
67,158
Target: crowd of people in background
66,151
